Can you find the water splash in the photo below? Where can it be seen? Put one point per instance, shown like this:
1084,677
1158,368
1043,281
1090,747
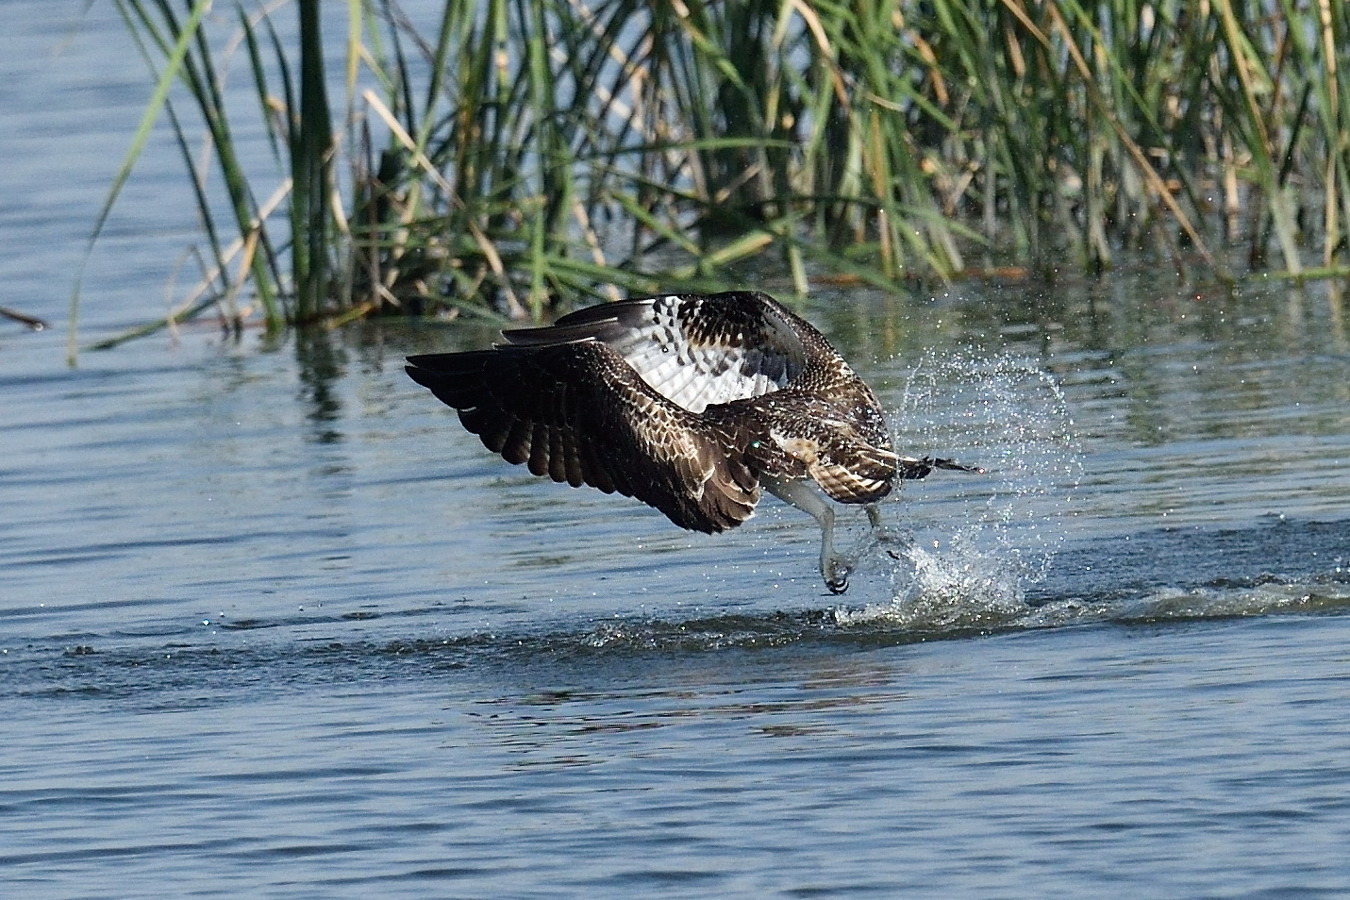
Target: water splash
971,544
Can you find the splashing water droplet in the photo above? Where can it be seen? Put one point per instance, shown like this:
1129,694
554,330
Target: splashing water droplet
971,543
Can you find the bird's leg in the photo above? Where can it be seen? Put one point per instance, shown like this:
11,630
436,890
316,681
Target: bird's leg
881,533
834,568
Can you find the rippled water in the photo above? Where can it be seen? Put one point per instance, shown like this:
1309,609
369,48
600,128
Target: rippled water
271,624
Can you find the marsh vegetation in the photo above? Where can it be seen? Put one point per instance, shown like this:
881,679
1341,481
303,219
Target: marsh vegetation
517,153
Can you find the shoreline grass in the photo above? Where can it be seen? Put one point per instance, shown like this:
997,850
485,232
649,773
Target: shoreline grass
521,154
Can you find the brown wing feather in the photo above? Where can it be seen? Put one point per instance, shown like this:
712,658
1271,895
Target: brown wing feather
582,404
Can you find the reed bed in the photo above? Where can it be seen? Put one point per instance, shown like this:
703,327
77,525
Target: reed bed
518,153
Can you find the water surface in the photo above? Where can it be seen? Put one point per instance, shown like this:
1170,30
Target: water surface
271,624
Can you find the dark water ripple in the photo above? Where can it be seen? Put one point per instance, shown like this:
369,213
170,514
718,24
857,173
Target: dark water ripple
1171,575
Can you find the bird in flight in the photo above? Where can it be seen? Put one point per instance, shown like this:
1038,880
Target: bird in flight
692,404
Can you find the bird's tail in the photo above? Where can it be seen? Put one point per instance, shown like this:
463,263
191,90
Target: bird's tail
911,468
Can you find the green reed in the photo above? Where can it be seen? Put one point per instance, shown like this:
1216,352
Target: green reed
530,151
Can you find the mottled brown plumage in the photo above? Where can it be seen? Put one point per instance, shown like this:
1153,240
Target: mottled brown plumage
689,403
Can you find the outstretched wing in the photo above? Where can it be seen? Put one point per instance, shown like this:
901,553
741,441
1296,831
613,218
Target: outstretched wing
696,351
577,412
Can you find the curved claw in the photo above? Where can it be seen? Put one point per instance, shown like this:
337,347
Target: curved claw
835,572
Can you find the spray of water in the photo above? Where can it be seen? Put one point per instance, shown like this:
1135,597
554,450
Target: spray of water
969,545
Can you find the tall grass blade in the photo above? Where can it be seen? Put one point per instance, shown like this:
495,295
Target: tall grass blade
311,165
158,98
522,152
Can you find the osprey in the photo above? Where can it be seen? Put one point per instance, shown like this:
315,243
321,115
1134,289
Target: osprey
690,403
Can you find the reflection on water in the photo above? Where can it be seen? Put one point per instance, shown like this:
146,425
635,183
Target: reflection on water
320,364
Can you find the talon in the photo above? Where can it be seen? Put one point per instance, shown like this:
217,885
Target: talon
835,572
